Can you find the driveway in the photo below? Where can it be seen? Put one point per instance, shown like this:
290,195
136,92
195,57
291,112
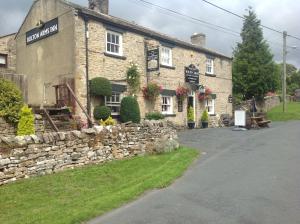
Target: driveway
246,177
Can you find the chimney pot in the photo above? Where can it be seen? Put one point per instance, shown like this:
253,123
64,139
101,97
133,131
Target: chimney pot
198,39
101,6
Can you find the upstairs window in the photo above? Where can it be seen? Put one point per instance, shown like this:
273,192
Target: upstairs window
210,66
114,103
114,43
166,56
3,60
167,105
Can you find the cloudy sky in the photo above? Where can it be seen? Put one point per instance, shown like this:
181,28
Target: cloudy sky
278,14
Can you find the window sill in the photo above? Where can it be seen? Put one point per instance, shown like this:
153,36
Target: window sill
115,56
210,75
169,115
212,115
167,66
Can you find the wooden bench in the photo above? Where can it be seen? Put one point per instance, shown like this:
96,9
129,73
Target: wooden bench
264,123
259,122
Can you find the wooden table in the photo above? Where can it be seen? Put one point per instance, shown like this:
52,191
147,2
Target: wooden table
259,121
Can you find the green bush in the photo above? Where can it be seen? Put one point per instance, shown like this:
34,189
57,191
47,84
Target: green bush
11,101
100,87
204,116
26,123
190,115
130,110
155,116
102,112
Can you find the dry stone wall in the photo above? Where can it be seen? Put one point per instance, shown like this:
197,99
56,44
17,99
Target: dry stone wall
23,157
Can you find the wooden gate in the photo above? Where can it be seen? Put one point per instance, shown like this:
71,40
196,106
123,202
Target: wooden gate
63,95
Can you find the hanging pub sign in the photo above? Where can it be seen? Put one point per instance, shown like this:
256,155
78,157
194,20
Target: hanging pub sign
153,60
192,74
45,30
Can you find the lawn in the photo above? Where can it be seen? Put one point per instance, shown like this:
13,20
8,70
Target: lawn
292,112
78,195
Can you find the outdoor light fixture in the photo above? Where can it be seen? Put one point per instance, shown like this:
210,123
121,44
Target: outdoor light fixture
201,88
40,24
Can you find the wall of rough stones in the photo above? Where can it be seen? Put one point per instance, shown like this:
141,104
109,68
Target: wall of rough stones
23,157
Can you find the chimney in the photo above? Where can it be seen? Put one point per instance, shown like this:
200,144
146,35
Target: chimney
198,39
101,6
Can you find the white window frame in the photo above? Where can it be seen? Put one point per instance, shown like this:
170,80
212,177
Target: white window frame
169,105
110,103
4,58
210,66
210,106
120,44
166,58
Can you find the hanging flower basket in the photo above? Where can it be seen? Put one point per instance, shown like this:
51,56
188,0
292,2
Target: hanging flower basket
182,92
204,95
152,91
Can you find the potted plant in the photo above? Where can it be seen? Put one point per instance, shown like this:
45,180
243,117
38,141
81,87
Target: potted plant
204,119
191,118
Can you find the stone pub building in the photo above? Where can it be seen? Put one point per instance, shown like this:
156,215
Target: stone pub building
63,42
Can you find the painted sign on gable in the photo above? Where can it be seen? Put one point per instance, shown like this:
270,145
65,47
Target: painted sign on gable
46,30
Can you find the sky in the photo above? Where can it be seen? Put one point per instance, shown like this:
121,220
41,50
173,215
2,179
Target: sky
278,14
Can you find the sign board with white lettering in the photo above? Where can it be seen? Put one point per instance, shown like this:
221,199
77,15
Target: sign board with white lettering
48,29
192,74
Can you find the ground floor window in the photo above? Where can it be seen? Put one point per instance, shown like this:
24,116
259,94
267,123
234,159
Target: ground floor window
167,105
3,60
210,106
114,103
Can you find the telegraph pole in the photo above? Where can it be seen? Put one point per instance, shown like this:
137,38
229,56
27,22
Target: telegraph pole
284,71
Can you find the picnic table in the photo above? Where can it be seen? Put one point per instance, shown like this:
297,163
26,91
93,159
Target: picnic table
259,122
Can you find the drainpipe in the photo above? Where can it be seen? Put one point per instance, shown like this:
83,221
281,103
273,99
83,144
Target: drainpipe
88,106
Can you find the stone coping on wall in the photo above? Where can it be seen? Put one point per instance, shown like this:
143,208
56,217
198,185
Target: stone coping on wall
26,156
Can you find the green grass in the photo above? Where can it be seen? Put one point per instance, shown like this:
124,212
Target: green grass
78,195
292,112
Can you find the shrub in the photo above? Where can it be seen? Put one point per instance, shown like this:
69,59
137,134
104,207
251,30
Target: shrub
204,116
190,115
154,116
100,87
26,122
108,121
130,110
11,101
102,112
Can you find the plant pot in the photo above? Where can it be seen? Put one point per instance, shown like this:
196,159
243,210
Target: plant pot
191,124
204,124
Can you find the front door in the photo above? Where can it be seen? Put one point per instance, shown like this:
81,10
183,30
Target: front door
192,103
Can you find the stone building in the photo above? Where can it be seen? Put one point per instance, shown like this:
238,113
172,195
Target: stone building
63,42
7,54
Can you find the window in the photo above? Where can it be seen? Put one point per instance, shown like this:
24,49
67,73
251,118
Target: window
3,60
167,107
210,66
114,103
210,106
166,56
114,43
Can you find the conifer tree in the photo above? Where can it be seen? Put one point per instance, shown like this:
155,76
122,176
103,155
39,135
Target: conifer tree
254,71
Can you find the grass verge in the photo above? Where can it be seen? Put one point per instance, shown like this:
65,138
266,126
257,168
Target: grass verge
292,112
74,196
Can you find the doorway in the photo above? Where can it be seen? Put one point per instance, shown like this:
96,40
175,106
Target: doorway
191,102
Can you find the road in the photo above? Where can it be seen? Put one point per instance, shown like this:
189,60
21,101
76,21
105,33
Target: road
245,177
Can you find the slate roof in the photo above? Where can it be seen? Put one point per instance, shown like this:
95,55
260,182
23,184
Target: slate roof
115,21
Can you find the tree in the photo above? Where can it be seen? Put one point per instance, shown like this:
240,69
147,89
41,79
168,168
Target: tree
254,71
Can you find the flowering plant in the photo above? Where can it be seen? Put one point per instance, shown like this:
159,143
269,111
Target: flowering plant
205,95
152,91
133,77
271,94
181,92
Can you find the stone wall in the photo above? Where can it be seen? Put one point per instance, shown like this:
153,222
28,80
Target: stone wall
8,47
23,157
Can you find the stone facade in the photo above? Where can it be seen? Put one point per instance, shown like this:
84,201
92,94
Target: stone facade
8,48
70,44
23,157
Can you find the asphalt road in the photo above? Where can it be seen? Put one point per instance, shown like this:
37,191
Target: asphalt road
247,177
